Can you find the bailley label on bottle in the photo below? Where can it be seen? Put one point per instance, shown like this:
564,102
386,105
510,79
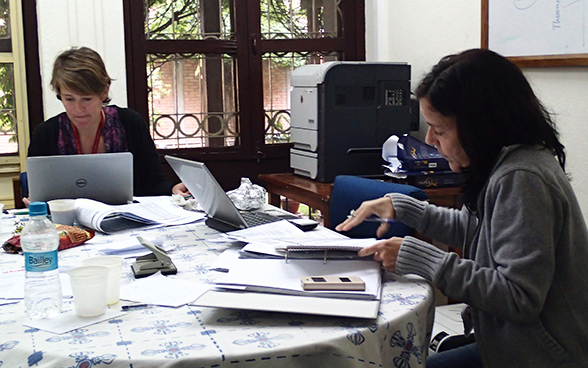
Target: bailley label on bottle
41,262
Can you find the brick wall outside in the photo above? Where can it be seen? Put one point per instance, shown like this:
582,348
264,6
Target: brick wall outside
275,94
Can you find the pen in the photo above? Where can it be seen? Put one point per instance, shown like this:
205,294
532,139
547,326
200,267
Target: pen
23,212
380,219
134,306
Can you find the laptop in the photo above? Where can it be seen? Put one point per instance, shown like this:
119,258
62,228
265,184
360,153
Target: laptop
104,177
220,209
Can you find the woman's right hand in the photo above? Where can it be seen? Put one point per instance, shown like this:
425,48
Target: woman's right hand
381,207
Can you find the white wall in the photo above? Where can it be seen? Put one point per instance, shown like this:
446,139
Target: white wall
420,32
97,24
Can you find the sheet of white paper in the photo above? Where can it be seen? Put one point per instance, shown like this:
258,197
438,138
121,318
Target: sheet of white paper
224,261
69,321
12,283
131,247
390,148
274,230
394,171
162,210
158,289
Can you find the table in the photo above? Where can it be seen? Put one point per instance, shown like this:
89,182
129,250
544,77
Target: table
192,336
310,192
317,195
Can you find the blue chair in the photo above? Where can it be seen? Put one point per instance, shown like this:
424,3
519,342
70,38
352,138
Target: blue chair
20,189
350,191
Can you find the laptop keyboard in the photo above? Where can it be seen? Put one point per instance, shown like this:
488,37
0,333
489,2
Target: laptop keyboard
257,218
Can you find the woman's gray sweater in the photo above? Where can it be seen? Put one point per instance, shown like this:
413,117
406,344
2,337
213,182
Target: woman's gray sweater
525,266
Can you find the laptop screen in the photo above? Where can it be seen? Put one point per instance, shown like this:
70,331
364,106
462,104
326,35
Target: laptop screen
105,177
207,191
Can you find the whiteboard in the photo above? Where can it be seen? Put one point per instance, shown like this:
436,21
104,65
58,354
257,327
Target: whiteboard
535,28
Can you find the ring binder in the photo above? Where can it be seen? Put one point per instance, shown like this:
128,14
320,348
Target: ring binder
355,246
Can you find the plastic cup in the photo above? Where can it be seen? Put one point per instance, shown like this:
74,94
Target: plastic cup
114,265
88,286
63,211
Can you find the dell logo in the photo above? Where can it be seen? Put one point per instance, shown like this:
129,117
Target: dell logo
81,182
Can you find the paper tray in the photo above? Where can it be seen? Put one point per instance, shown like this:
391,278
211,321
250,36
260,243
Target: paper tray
289,303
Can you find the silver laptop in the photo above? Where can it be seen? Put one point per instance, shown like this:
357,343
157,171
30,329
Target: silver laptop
104,177
221,211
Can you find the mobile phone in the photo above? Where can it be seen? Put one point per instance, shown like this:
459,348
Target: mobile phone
332,283
303,223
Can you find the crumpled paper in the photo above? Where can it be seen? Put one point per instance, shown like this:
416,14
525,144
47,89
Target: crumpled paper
248,196
189,204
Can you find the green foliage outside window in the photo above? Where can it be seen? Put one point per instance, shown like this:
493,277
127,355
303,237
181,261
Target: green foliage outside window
180,19
4,19
7,121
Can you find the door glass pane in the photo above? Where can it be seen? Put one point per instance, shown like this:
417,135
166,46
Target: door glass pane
8,139
290,19
5,37
277,90
188,19
192,100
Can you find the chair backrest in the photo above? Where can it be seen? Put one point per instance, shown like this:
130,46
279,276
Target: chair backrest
350,191
20,188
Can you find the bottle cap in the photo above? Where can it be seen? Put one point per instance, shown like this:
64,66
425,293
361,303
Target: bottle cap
38,209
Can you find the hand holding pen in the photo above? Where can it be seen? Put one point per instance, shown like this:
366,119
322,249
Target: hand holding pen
379,219
381,208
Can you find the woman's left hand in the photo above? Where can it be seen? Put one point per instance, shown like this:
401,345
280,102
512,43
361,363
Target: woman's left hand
385,251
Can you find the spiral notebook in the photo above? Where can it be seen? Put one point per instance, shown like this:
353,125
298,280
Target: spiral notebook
327,247
352,245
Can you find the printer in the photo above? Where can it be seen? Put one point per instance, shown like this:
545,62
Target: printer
343,112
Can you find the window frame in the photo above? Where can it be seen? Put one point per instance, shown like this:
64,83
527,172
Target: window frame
252,153
11,164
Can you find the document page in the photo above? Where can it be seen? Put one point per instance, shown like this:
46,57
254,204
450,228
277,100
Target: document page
90,213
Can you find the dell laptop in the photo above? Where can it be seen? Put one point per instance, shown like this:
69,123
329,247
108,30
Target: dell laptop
221,211
104,177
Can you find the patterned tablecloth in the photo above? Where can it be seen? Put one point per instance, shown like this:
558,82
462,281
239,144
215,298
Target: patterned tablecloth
192,336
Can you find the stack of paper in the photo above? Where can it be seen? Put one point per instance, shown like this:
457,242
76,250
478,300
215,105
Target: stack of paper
280,277
149,212
275,285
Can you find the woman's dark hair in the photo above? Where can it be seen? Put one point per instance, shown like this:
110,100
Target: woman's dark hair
494,106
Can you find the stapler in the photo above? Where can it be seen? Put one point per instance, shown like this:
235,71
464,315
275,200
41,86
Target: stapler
158,261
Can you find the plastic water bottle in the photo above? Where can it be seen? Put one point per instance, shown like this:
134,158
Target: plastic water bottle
39,240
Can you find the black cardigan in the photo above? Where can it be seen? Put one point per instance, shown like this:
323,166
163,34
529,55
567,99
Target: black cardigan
148,177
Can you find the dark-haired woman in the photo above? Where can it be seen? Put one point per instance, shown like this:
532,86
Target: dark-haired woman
523,273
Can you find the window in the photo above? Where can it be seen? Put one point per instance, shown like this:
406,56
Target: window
13,102
212,77
8,122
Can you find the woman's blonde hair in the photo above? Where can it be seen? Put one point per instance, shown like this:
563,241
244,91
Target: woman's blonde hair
80,70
